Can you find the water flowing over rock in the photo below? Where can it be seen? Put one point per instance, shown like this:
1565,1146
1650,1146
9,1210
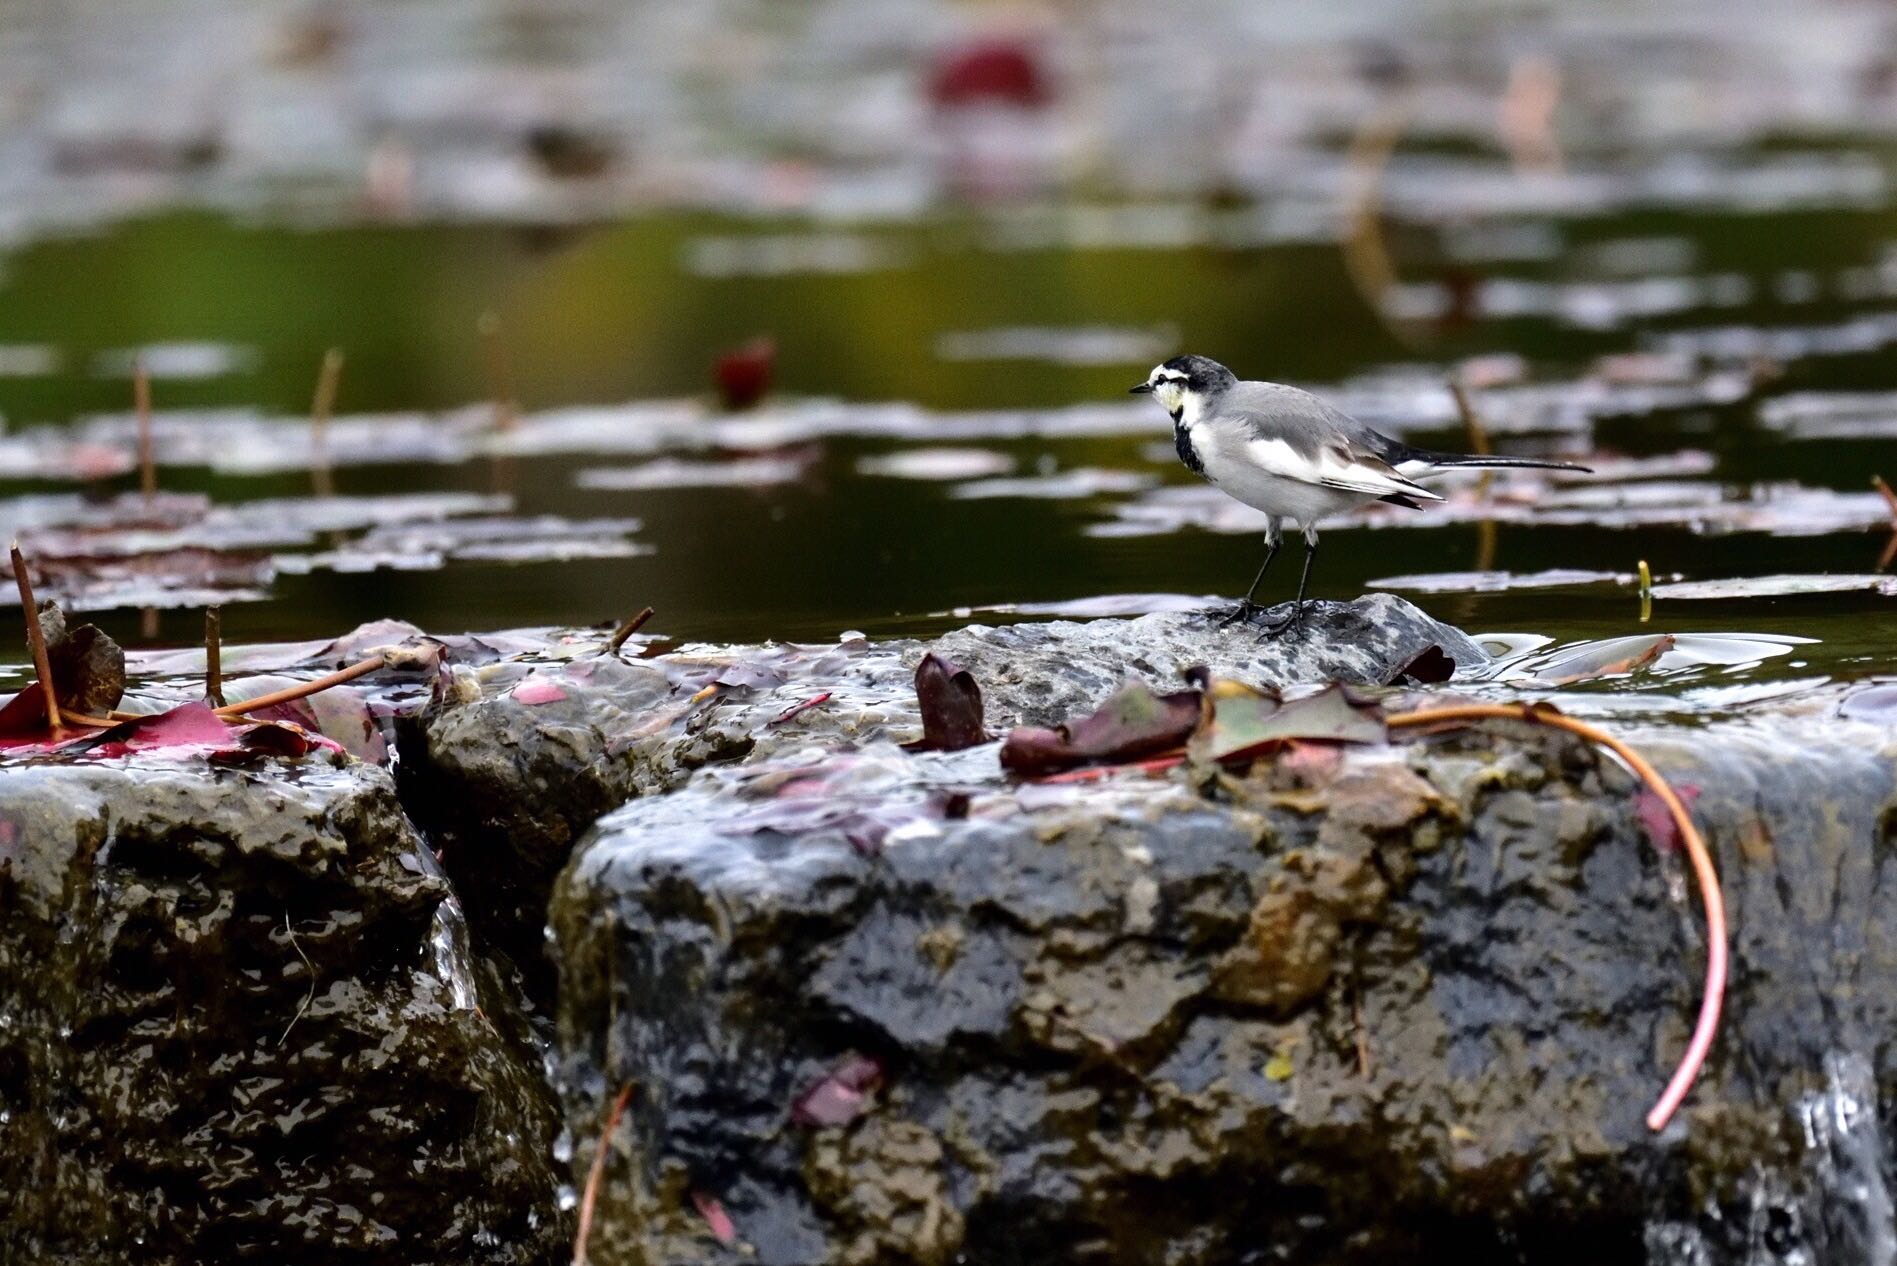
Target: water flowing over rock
505,783
1410,1003
235,1024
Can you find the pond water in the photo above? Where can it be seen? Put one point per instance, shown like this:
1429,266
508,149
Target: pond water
1657,243
948,427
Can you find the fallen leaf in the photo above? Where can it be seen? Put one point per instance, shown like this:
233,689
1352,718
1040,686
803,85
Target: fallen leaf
1246,724
842,1096
744,375
534,690
1431,668
1658,819
796,709
1135,722
1876,703
951,707
709,1208
23,721
1279,1068
88,667
195,727
1613,657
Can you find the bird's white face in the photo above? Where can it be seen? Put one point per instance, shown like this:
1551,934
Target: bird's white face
1168,386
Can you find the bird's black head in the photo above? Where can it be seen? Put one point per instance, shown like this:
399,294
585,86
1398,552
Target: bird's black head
1200,375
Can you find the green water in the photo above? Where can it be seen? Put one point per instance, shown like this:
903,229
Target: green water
611,313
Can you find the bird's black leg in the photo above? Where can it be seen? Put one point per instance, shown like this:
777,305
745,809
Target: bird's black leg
1296,618
1245,607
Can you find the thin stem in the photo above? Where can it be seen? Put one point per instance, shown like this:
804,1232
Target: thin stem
327,380
291,693
141,402
1703,872
627,629
596,1172
214,656
1712,999
36,637
500,381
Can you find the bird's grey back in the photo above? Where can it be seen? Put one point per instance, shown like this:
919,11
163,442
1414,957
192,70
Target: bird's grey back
1308,424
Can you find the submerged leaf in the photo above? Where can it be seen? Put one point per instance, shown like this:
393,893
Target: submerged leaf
717,1220
1245,723
536,690
1658,819
1135,722
842,1096
951,707
1614,657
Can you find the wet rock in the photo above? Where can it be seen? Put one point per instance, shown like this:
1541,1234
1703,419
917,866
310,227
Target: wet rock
1411,1003
505,778
239,1020
1041,674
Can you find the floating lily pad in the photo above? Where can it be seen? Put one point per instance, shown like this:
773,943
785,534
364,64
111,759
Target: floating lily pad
1779,586
1069,485
672,472
937,463
1498,581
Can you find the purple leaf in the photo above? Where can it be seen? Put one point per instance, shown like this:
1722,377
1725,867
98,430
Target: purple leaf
951,707
1135,722
842,1096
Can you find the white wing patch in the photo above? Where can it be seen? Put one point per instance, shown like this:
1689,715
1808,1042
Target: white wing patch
1334,468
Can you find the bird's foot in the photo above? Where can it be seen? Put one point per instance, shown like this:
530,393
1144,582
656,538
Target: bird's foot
1293,623
1240,614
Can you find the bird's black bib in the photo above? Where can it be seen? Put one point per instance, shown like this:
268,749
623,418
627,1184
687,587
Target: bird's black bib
1182,443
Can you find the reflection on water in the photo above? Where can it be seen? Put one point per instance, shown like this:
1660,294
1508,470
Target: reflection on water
1658,243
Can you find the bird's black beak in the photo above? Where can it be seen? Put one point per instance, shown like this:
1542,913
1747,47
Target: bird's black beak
1140,389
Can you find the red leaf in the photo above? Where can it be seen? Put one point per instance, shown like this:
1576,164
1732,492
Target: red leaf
1658,819
1135,722
1430,668
999,71
951,707
188,725
715,1217
744,375
534,690
796,708
24,715
841,1097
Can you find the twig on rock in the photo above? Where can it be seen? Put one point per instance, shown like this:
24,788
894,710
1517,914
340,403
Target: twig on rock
214,657
595,1173
291,693
36,637
627,629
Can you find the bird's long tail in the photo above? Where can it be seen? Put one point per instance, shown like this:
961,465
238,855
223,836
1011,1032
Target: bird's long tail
1426,460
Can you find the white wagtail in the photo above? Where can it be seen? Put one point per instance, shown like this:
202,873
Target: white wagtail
1286,452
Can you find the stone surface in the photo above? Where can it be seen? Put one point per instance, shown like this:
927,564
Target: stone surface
239,1021
1411,1004
505,779
1041,674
